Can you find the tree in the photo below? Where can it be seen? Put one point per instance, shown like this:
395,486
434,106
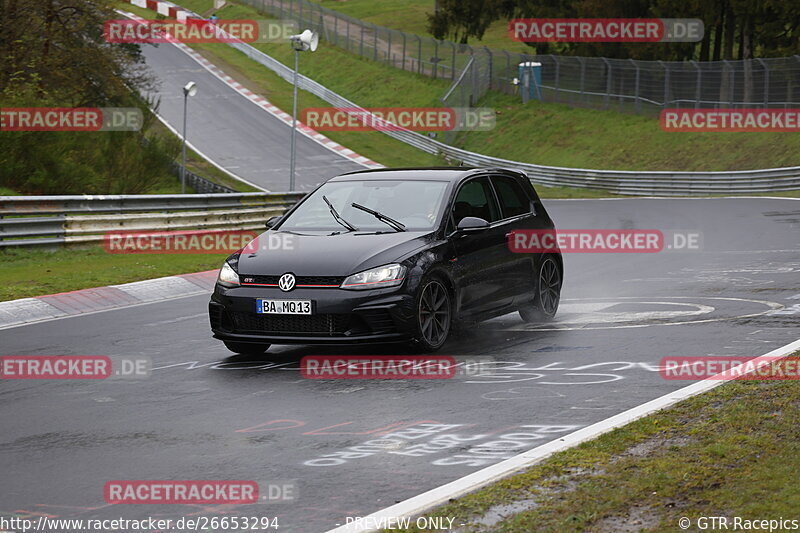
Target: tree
733,28
54,49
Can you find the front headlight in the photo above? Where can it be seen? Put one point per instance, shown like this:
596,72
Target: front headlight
376,278
227,275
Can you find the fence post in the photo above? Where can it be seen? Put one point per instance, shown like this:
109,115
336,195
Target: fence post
375,41
435,58
403,57
790,100
389,51
582,61
347,43
665,66
638,104
453,66
473,96
490,65
361,44
766,81
335,30
730,82
697,88
558,75
608,83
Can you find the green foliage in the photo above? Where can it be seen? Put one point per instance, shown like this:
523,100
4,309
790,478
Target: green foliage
53,54
734,29
54,50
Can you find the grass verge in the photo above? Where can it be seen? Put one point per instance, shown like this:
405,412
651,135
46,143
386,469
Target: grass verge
411,16
31,272
733,451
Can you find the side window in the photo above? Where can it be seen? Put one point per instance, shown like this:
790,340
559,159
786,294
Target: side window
513,200
475,199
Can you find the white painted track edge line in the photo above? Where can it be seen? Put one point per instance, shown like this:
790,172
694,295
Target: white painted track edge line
204,156
428,500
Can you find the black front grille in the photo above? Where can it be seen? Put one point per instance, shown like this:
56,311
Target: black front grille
322,324
299,280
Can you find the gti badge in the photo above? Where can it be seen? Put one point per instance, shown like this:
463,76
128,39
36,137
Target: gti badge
286,282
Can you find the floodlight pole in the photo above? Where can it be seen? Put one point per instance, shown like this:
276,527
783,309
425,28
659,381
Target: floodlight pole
190,89
183,149
294,120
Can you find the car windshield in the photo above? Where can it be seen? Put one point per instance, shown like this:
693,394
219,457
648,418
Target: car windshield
414,203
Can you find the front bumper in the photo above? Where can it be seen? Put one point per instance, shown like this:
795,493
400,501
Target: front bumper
339,316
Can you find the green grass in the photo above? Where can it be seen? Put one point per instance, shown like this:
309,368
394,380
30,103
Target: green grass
734,451
411,16
32,272
559,135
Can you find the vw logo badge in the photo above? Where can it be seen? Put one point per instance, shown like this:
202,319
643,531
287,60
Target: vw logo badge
286,282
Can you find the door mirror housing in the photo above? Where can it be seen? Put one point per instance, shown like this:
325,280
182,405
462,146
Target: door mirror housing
470,224
272,221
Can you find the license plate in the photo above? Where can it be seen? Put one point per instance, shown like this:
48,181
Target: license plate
283,307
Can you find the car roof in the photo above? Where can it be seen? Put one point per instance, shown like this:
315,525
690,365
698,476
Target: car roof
422,173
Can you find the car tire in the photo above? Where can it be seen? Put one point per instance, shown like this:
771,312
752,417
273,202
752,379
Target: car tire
433,315
246,347
548,293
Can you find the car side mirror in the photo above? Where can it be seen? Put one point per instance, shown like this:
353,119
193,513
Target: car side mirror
272,221
470,224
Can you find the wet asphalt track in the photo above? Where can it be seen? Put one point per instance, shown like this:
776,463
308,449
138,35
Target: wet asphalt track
205,415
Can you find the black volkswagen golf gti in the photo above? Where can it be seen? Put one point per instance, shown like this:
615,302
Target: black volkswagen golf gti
389,255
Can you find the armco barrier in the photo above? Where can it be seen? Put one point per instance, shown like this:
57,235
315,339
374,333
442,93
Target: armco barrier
615,181
84,219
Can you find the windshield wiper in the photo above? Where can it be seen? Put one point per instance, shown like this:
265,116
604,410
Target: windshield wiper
399,226
338,217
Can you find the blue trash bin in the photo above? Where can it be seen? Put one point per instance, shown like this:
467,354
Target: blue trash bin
530,80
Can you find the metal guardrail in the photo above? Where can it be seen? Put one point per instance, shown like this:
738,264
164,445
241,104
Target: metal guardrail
200,184
637,183
84,219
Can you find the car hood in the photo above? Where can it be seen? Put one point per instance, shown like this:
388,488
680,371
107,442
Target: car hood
326,254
